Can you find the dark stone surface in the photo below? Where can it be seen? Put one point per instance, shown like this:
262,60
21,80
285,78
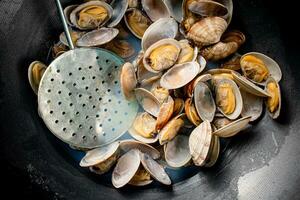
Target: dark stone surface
260,164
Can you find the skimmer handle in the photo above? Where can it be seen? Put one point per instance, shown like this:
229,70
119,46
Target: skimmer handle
65,24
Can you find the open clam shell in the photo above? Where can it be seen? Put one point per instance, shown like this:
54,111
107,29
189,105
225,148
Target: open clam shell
143,128
171,129
200,142
161,55
155,9
161,29
252,105
177,153
148,101
155,169
67,12
91,23
75,35
206,8
233,128
165,113
35,72
204,102
136,22
127,145
175,9
97,37
214,152
191,112
180,75
128,81
187,53
270,64
119,9
141,178
275,114
237,95
126,167
189,89
248,86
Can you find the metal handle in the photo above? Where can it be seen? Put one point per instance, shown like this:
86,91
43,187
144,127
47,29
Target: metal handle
65,24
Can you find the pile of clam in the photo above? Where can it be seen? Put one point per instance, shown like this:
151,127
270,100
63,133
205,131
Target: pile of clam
187,106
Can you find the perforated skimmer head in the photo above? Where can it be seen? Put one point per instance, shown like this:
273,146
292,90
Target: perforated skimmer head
80,99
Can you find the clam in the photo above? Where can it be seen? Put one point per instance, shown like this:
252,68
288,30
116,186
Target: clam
141,178
161,55
228,98
227,46
127,145
119,9
121,47
248,86
187,53
207,8
180,75
161,29
91,15
35,73
171,129
233,128
128,81
143,128
75,35
58,49
178,106
191,112
136,22
177,152
214,152
148,101
219,122
165,113
273,102
199,143
207,31
189,88
101,159
155,9
258,67
155,169
126,168
204,102
67,12
252,105
175,9
160,93
97,37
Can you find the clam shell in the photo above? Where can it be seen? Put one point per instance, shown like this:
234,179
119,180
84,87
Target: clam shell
128,81
75,35
185,44
165,113
121,47
126,168
200,142
98,155
119,9
208,8
127,145
232,63
238,99
248,86
175,8
142,18
155,9
180,75
219,122
154,46
150,125
32,83
207,31
97,37
178,106
67,12
233,128
189,89
219,51
191,112
273,67
276,114
214,152
171,129
140,183
177,153
148,101
252,105
204,102
73,15
155,169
